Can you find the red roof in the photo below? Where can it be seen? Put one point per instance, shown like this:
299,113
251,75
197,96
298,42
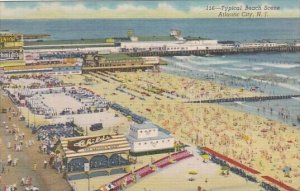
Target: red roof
231,161
278,183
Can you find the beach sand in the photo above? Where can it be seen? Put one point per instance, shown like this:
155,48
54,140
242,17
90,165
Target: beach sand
265,145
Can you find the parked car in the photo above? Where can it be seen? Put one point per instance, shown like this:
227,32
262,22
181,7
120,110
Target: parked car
96,127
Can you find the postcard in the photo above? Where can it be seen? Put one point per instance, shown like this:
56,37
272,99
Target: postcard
140,95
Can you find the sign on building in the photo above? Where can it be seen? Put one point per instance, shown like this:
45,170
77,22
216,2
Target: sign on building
90,145
10,55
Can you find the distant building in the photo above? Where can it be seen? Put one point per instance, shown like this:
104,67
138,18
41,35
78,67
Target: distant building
148,138
169,44
121,62
134,39
130,33
175,33
11,49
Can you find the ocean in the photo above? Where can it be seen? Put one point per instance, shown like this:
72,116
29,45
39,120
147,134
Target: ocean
272,73
221,29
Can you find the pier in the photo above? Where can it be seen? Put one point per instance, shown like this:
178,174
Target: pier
245,99
35,36
236,50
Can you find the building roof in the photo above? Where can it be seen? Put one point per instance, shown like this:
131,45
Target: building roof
161,135
150,125
113,57
59,42
189,38
118,56
146,125
156,38
9,33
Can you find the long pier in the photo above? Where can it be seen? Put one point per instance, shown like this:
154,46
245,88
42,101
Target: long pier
237,50
245,99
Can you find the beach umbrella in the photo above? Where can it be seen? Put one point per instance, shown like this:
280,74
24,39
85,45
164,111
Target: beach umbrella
193,172
205,157
264,130
287,171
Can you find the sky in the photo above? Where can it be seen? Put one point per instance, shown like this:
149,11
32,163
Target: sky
118,9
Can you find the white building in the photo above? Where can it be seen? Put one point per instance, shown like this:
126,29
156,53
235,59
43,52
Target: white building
148,137
260,44
176,45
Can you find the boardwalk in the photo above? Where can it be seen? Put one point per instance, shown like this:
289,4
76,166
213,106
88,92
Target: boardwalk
245,99
147,170
47,179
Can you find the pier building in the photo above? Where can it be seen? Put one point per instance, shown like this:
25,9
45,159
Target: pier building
121,62
127,53
11,49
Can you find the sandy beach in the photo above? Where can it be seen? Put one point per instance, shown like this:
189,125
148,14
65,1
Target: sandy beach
265,145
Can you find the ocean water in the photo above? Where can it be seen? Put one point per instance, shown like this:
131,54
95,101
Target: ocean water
220,29
272,73
241,71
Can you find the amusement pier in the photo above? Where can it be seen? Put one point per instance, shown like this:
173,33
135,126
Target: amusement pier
35,52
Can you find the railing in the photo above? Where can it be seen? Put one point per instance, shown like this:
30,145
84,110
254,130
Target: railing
239,166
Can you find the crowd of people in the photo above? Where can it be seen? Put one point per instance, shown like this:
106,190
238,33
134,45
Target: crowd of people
50,134
15,142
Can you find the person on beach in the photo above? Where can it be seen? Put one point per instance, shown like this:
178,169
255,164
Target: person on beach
45,164
34,167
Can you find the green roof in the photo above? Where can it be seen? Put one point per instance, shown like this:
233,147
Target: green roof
58,42
156,38
195,38
114,57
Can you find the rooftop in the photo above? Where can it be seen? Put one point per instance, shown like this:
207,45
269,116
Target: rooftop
114,57
156,38
61,42
146,125
195,38
150,125
161,135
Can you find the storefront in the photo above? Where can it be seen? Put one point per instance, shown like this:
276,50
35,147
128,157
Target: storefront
105,154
